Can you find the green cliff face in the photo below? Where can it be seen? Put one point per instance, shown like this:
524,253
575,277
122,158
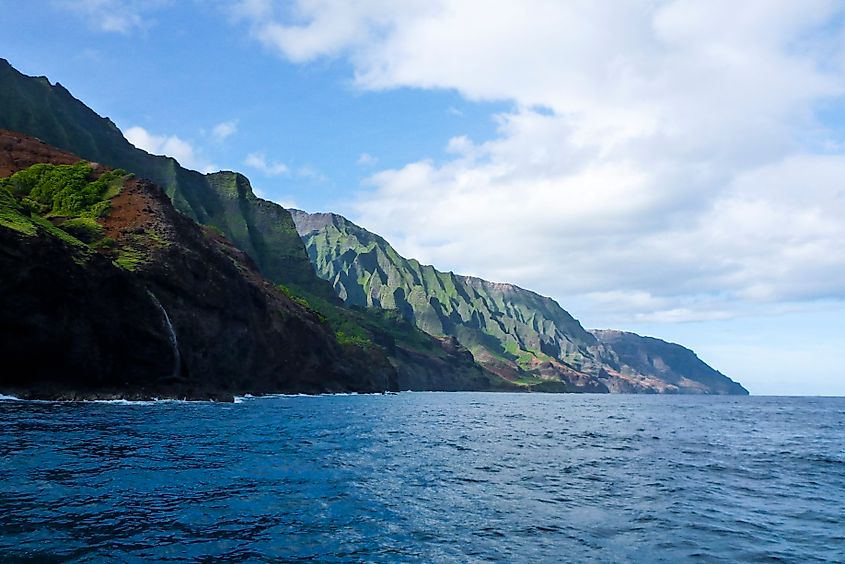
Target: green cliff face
223,200
521,339
513,332
518,334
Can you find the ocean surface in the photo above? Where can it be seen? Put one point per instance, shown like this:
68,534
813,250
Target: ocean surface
426,477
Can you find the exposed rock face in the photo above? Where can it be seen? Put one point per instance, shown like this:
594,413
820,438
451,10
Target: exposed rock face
188,315
449,369
515,333
676,368
519,337
512,332
224,201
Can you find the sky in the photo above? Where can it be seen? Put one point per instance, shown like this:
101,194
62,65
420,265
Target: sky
670,167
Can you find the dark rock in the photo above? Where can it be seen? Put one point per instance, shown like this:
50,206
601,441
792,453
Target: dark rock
193,317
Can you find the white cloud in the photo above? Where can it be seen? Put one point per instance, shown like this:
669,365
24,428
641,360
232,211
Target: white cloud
366,159
169,145
223,130
259,162
112,16
670,150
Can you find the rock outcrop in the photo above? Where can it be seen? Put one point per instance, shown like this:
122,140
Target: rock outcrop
151,305
670,367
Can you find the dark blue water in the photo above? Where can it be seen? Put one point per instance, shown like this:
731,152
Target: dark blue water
426,477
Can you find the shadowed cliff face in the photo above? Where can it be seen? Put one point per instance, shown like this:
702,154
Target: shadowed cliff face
152,305
678,367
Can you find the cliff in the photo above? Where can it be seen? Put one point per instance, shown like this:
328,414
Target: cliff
223,200
225,203
523,337
107,291
677,367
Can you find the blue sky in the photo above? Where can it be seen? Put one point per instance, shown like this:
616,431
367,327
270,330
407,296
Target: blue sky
671,167
188,68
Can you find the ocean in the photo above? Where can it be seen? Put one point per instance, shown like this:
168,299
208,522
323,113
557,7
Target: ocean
425,477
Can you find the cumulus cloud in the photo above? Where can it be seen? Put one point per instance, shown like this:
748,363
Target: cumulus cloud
668,153
172,146
223,130
259,162
112,16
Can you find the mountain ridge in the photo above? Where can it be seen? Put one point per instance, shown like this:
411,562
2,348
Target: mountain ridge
521,338
223,200
225,203
673,362
516,333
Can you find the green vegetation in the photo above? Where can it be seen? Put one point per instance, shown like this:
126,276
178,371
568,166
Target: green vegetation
104,243
528,380
348,326
156,237
345,339
64,190
11,215
525,356
84,228
64,201
294,297
48,227
16,217
496,322
365,327
129,258
261,229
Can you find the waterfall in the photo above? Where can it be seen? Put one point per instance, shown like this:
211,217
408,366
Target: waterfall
171,335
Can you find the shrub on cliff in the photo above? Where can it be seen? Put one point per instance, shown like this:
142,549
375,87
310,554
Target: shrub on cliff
64,190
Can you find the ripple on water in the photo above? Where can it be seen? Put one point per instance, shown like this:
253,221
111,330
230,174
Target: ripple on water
425,477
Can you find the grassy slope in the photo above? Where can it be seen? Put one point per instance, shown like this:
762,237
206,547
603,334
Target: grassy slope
67,202
499,323
410,350
63,201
